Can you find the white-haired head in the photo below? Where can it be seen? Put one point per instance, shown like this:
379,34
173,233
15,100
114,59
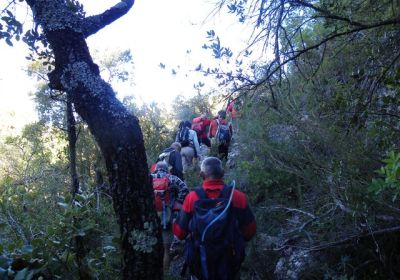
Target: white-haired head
211,169
161,165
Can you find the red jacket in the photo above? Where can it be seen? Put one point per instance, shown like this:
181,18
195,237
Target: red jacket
214,127
213,188
231,110
206,122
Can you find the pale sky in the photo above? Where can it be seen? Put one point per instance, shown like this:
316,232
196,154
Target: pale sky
156,31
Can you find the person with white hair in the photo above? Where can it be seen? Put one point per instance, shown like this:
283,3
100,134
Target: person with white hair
216,221
169,194
172,156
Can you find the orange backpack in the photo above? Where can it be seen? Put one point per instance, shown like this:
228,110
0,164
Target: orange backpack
162,199
161,193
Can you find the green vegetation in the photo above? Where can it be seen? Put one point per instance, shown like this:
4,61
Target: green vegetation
316,124
316,149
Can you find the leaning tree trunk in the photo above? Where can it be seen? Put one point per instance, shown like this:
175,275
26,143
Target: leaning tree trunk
117,132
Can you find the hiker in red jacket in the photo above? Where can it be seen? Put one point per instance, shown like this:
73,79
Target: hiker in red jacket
231,110
233,114
221,131
225,266
169,193
200,125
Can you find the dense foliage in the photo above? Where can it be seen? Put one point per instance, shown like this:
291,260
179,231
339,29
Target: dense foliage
319,139
316,149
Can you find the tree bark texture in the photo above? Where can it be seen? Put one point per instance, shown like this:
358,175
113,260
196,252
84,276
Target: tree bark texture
72,138
80,251
116,131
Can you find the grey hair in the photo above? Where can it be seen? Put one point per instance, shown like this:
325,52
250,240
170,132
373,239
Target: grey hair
161,165
212,168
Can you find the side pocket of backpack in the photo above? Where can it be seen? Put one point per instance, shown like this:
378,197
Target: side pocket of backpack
192,256
189,250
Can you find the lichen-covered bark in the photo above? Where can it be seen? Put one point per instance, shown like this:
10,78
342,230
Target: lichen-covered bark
72,138
116,131
94,23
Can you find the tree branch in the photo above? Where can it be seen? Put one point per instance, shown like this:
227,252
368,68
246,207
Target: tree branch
341,242
327,14
93,24
354,237
298,53
6,7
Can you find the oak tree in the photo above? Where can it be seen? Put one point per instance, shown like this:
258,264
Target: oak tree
64,29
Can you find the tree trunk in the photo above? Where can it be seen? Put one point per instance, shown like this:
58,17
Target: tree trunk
116,131
72,138
80,251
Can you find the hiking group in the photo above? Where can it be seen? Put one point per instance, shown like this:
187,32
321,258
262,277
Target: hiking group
198,137
214,219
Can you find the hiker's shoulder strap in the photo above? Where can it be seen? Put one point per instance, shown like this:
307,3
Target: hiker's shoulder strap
200,193
226,192
160,176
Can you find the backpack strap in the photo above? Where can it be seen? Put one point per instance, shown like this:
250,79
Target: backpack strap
203,251
181,134
225,192
201,193
187,134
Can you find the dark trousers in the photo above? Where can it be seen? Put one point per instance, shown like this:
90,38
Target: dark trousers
205,141
223,151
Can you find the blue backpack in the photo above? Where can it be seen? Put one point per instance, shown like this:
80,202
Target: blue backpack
215,246
223,133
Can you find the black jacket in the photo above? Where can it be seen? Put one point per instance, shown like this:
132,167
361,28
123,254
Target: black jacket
175,162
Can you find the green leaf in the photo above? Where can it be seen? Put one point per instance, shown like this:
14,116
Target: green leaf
63,205
4,262
109,248
37,242
88,227
68,257
116,240
80,233
26,249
